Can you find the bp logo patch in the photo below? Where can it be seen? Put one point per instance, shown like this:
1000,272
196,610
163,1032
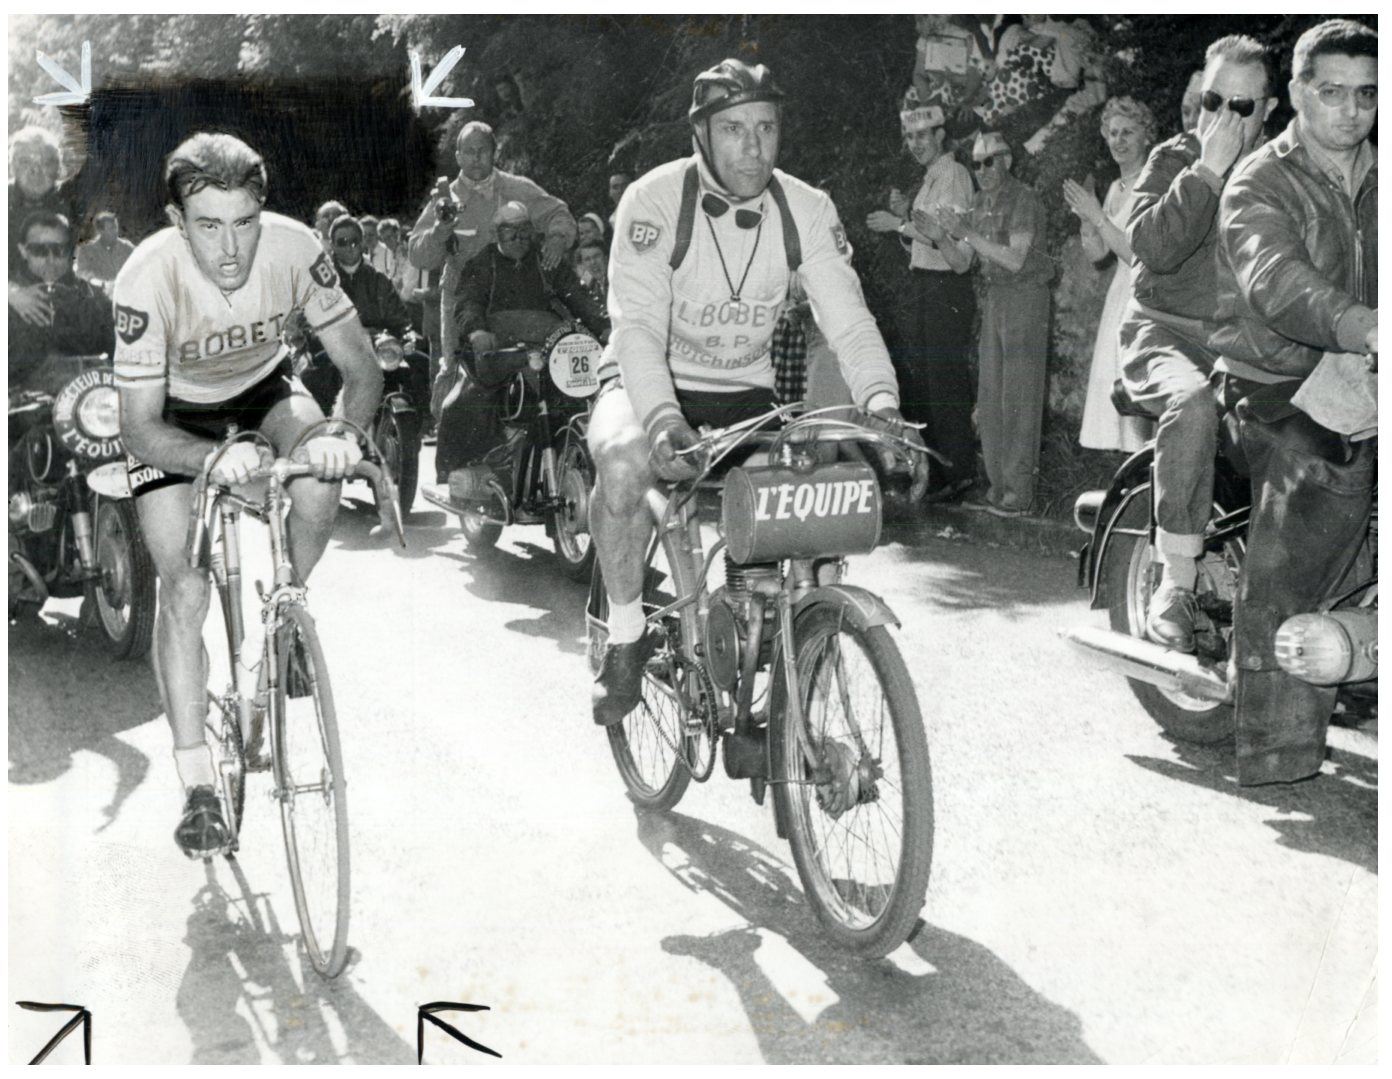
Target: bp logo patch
838,237
643,235
130,323
323,272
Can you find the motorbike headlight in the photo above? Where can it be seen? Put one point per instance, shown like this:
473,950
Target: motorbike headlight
1326,649
98,413
536,360
389,354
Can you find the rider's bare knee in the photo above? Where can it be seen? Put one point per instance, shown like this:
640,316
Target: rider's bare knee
623,478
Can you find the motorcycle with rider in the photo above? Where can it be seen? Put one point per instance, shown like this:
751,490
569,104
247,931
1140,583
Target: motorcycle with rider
511,444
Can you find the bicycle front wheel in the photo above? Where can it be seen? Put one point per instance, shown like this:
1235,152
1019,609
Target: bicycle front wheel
853,784
311,791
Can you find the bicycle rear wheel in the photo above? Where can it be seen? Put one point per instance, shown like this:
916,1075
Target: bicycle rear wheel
311,790
860,820
645,744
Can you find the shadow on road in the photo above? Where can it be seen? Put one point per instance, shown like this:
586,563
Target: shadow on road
355,528
1341,806
966,1006
975,577
240,957
58,669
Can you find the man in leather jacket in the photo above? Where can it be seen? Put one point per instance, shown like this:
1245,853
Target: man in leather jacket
75,318
505,295
1298,233
1167,361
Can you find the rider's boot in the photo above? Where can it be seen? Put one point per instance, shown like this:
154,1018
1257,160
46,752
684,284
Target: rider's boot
619,684
1170,620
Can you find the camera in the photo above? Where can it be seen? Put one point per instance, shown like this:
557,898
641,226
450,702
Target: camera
446,209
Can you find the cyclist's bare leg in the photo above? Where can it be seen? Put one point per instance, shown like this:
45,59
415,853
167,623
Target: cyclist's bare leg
619,520
314,504
180,660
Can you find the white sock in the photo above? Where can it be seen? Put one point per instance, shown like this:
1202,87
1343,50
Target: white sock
1181,569
195,765
625,621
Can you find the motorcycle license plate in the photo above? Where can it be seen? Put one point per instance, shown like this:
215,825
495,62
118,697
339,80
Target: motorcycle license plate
110,480
575,364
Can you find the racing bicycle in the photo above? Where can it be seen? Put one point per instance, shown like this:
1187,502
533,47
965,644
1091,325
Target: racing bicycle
277,713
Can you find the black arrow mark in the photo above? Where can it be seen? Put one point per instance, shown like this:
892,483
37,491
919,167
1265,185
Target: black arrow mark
426,1014
83,1016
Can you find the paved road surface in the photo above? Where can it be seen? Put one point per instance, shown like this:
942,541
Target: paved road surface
1098,893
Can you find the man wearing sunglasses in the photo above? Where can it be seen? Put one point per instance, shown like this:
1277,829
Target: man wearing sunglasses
1298,242
506,294
1005,231
76,316
1166,357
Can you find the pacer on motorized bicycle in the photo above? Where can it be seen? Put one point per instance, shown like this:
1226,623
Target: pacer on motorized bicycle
1298,237
505,297
704,251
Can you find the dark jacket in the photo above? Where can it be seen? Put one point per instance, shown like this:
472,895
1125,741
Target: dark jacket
82,326
379,306
492,282
1173,230
1301,258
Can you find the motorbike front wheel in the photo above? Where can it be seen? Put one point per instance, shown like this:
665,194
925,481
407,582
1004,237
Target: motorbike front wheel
1130,575
571,523
124,594
859,814
398,440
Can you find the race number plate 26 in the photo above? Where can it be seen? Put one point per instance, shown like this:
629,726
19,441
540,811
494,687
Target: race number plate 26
575,364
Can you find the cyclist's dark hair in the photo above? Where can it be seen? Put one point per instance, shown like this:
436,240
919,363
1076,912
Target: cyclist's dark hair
44,219
213,159
1333,37
1242,49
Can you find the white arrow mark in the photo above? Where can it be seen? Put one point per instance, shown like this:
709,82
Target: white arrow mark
77,92
421,93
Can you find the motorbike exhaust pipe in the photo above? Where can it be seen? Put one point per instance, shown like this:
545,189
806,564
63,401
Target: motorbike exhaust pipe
1151,663
27,568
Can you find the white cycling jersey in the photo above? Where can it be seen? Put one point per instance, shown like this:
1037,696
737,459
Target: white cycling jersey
173,323
680,330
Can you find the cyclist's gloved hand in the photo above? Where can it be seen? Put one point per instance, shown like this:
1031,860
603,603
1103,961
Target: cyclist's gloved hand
237,464
332,457
672,433
894,424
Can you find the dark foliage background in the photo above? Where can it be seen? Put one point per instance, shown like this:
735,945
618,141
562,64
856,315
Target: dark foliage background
326,97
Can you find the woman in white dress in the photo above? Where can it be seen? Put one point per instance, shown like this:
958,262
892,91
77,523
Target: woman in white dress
1130,129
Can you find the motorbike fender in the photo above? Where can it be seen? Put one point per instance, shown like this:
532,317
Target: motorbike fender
863,606
399,402
1134,472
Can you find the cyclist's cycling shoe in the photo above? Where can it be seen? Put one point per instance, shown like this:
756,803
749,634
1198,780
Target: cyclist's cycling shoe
202,830
1170,622
619,683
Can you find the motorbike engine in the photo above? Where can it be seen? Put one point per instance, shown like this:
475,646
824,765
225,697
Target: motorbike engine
32,513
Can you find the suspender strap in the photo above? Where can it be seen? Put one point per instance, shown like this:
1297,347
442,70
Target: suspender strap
686,218
792,244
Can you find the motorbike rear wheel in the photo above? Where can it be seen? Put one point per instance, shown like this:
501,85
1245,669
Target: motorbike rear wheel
1130,575
124,595
570,525
398,440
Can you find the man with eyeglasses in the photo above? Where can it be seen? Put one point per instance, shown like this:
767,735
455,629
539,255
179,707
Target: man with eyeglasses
77,318
1005,232
1298,239
1166,357
506,295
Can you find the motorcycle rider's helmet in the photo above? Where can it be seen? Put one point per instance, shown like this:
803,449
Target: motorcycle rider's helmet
729,83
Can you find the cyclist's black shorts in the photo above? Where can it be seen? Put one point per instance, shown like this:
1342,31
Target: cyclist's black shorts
715,409
214,420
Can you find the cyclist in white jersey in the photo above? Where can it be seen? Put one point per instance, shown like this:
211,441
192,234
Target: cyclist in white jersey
704,251
199,312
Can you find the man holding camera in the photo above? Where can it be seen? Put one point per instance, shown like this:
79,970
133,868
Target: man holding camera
455,224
